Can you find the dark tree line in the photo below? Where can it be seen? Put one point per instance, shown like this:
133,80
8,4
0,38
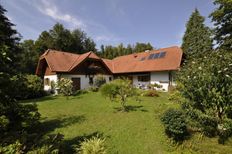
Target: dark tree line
76,41
111,52
58,38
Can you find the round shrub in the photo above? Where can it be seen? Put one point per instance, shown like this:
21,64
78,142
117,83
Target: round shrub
175,124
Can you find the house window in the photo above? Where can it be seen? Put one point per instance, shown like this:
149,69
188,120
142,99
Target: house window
110,78
144,78
47,82
90,80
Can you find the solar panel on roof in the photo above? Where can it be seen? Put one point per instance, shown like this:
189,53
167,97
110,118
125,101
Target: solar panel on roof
150,56
156,56
162,54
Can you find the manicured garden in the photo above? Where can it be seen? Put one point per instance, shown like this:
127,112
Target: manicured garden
137,131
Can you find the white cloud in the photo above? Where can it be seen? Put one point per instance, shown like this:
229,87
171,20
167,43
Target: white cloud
52,11
99,32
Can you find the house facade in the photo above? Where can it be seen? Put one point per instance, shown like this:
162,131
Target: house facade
150,67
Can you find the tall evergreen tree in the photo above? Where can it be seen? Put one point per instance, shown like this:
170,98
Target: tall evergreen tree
197,38
9,38
222,18
15,119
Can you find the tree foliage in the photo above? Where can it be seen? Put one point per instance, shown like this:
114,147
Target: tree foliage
111,52
197,38
60,38
15,118
222,18
119,90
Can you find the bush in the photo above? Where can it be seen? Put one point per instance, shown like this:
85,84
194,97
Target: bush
225,131
99,81
94,145
15,148
109,90
51,145
65,86
119,90
154,86
27,87
208,125
151,93
176,97
93,88
175,124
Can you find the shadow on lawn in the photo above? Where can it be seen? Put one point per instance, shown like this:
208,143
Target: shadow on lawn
50,125
130,108
37,100
70,145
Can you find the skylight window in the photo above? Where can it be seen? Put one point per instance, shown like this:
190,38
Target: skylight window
142,59
150,56
157,55
162,54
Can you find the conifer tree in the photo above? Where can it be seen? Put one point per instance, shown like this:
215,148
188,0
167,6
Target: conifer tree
222,18
197,38
9,39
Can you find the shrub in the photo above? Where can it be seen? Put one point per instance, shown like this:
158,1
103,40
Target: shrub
51,145
15,148
225,131
208,125
119,90
93,88
175,124
151,93
176,97
53,87
65,86
154,86
94,145
27,86
99,81
109,90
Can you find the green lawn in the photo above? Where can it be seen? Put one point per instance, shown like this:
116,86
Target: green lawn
137,131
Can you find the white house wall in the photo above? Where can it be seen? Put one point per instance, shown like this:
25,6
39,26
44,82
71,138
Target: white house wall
161,78
51,78
84,79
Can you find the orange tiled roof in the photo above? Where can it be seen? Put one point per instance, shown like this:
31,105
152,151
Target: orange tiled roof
59,61
140,62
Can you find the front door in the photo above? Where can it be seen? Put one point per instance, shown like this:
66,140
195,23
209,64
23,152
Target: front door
76,83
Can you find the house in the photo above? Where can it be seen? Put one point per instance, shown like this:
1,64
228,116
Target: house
149,67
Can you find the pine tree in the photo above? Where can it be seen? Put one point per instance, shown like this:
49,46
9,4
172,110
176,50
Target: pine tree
197,38
222,18
9,39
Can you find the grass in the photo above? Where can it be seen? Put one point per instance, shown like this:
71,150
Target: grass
134,132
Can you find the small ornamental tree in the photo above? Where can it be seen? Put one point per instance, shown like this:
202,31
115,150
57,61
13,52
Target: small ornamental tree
119,90
99,81
65,86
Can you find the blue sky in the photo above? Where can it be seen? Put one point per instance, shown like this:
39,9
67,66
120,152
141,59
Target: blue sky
160,22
